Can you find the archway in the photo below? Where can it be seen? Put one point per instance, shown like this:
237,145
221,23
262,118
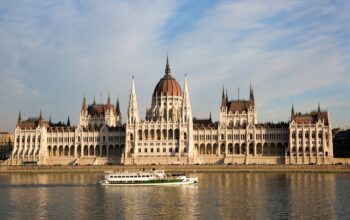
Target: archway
209,151
237,151
91,150
66,151
259,149
202,149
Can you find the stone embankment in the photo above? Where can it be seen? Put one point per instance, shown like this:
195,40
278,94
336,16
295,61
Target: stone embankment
180,168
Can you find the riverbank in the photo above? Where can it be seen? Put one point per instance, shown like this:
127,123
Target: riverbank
181,168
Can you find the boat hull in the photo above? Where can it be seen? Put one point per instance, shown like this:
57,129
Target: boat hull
187,181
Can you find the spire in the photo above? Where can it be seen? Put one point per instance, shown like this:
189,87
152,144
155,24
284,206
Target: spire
210,117
19,121
292,112
50,122
238,91
186,105
226,96
167,67
251,93
83,107
68,121
94,100
319,107
223,98
108,100
40,116
133,112
19,116
117,107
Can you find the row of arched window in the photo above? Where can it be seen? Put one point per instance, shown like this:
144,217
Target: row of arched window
158,135
34,138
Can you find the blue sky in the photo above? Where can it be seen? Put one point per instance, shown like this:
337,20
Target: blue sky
52,52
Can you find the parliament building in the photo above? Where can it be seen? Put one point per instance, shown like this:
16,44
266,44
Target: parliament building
169,134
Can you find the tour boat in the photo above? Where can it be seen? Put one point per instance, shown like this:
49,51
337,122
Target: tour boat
149,178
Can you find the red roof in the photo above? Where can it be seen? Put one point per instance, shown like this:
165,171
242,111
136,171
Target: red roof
100,109
167,86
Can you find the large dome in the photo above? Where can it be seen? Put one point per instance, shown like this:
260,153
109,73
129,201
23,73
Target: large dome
167,85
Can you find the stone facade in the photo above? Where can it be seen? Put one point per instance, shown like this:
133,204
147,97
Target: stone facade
169,134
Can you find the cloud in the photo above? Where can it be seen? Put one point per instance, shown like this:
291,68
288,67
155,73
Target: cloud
52,52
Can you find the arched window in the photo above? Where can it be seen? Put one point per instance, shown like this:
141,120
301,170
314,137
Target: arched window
131,137
320,134
170,134
158,134
177,134
140,134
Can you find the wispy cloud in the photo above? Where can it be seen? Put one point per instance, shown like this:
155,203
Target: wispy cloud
52,52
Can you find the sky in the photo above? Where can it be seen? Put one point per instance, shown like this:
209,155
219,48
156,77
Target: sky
292,52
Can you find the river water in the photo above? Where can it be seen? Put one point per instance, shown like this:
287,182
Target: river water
217,196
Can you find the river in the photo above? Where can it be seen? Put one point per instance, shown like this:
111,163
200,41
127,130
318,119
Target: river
216,196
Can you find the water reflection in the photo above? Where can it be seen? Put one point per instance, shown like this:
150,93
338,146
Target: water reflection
218,195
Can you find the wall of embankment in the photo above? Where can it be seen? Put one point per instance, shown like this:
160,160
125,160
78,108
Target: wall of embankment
179,168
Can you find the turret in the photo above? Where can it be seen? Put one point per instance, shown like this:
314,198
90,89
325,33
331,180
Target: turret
108,101
83,107
68,121
133,113
117,110
251,94
292,113
167,67
223,98
186,105
19,120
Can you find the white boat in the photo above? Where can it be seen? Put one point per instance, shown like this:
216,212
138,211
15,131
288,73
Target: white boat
149,178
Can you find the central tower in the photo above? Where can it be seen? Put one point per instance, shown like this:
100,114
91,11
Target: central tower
166,99
165,136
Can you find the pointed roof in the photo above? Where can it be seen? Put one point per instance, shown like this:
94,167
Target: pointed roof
40,116
167,67
223,98
108,100
68,121
19,116
117,107
84,107
251,93
19,120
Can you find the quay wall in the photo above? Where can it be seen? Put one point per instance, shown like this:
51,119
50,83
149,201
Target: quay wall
179,168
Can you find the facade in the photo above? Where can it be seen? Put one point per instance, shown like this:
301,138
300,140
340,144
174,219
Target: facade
6,143
170,134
